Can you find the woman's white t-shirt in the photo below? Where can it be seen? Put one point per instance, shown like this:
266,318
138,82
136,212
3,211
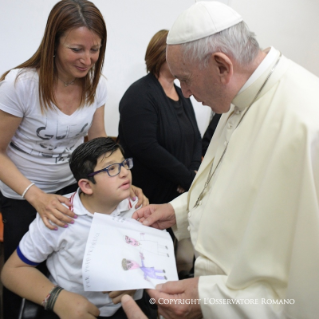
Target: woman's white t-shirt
43,143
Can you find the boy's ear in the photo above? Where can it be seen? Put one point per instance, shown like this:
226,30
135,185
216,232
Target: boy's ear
85,186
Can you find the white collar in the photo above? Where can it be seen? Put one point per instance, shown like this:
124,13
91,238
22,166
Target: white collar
262,67
79,208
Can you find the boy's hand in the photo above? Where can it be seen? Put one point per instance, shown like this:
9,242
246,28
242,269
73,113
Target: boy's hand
73,306
116,296
142,199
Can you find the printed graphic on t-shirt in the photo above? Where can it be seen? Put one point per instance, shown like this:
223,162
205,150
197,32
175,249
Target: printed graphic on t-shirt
56,139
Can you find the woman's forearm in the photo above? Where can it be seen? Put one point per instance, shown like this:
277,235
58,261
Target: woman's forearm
11,176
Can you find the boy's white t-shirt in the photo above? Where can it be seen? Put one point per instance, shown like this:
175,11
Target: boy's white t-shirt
64,251
43,143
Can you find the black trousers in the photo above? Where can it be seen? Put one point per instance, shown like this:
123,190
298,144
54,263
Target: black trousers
17,216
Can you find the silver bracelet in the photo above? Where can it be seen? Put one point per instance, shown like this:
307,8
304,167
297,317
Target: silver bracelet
25,191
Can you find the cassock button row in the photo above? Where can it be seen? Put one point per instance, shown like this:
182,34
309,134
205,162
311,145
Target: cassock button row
230,125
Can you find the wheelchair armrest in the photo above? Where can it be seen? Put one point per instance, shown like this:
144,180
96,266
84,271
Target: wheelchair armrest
29,310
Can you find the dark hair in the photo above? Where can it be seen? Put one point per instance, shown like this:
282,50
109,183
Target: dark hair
84,158
65,16
155,55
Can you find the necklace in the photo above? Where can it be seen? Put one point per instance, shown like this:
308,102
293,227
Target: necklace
211,174
67,83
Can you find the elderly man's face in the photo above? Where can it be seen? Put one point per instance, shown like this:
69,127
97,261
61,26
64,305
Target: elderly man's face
204,84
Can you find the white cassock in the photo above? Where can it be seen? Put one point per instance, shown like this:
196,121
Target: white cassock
256,230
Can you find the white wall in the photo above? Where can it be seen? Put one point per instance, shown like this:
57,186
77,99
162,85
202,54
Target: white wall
131,24
289,25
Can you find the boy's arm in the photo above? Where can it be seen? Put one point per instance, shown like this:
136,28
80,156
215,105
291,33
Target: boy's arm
28,282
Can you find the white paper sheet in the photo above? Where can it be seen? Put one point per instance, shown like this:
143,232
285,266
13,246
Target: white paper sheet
123,254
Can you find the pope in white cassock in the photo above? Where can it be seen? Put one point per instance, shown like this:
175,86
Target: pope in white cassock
252,212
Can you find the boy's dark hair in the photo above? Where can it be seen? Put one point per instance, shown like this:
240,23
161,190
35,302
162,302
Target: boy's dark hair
84,158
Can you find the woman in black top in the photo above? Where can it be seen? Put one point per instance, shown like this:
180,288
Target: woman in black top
158,129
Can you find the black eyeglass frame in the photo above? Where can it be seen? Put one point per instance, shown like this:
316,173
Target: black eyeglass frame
127,163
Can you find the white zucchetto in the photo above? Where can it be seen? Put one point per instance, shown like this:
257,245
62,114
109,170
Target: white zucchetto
202,19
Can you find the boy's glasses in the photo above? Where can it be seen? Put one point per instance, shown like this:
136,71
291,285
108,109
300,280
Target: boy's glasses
115,168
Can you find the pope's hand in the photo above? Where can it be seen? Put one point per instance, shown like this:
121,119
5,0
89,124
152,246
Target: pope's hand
131,309
157,216
116,296
186,289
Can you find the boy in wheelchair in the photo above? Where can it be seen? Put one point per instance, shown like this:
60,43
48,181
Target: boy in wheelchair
104,181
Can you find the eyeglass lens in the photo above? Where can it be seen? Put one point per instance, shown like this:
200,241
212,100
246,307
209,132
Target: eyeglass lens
115,168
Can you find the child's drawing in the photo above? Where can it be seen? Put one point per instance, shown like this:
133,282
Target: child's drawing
148,245
149,272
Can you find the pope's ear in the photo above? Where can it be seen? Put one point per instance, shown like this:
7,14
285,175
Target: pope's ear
86,186
224,66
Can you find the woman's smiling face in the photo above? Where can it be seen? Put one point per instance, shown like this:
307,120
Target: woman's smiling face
76,54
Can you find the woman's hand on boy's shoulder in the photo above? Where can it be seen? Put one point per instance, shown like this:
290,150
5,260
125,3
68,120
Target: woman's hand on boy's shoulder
70,305
51,207
142,199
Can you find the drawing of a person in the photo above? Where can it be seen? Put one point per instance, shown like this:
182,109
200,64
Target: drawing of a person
149,272
149,245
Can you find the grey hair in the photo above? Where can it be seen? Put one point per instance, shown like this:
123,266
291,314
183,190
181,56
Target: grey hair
237,42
